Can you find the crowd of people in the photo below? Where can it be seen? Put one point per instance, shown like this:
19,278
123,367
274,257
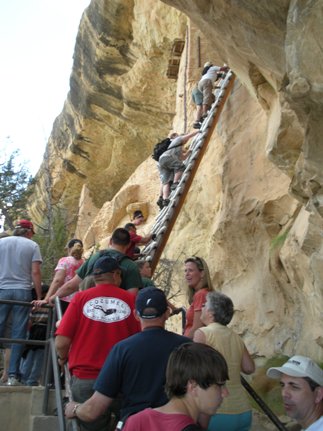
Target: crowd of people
127,370
124,364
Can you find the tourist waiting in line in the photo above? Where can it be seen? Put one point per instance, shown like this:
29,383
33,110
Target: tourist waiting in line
6,347
20,269
65,271
301,381
93,323
145,272
198,281
235,413
31,366
196,376
136,366
119,242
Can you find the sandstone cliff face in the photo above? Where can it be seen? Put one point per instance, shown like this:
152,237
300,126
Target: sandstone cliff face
254,211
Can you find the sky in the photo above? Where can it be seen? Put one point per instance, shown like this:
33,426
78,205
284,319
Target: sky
37,39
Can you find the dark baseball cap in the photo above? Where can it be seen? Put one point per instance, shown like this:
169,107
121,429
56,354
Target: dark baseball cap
105,264
151,303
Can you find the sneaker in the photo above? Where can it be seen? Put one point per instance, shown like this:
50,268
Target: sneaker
160,202
12,381
165,202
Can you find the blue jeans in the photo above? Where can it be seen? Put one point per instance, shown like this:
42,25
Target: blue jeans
31,367
20,317
238,422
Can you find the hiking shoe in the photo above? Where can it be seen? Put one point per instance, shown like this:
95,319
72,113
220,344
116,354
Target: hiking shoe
12,381
165,202
160,202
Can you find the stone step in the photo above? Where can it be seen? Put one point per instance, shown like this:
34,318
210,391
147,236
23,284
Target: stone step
41,423
22,406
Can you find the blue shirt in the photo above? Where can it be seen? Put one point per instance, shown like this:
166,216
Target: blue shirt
136,367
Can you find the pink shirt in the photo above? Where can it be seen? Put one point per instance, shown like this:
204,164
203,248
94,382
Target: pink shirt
69,264
154,420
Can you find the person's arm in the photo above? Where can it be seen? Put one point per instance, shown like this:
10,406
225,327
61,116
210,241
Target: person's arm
196,323
146,239
62,345
57,282
90,410
69,287
199,337
36,277
247,363
188,136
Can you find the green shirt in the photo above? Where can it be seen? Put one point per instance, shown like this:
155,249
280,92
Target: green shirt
147,282
130,273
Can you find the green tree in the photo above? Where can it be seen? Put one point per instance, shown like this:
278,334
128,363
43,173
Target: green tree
16,185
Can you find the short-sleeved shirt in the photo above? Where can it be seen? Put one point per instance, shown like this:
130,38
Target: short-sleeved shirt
17,255
134,240
211,74
199,300
147,282
69,264
130,273
231,346
95,320
136,367
153,420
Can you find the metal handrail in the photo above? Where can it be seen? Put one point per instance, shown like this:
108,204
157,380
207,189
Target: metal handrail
50,361
271,415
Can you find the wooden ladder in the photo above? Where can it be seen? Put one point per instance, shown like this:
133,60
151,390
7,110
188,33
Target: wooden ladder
167,217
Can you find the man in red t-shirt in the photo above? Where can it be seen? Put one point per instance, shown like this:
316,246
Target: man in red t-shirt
94,322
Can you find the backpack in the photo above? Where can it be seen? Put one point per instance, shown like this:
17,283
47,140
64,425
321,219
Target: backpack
160,148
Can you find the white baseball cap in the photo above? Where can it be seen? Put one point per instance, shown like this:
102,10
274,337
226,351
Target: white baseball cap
298,366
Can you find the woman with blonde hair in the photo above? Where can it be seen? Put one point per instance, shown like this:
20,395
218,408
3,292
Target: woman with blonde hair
199,284
65,271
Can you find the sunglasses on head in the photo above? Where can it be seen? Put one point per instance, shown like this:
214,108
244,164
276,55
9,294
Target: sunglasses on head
198,261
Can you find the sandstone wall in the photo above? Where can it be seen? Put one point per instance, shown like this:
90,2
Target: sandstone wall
254,210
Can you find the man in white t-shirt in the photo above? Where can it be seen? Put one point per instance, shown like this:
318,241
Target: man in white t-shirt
301,380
